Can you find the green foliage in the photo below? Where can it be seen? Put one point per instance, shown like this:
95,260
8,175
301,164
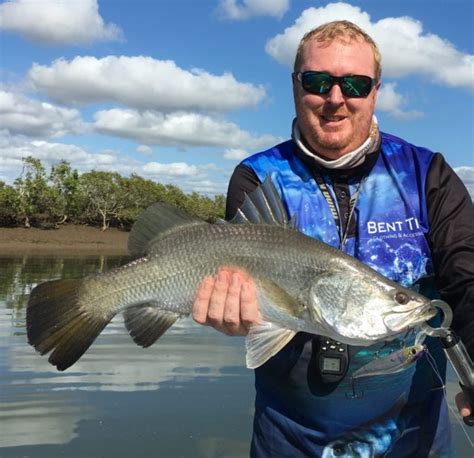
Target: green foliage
64,191
140,193
204,207
98,198
31,188
8,204
104,195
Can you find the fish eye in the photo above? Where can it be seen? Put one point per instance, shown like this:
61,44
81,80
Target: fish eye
402,298
413,351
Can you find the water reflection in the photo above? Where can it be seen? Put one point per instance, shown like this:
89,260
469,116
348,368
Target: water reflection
38,420
115,363
189,395
175,396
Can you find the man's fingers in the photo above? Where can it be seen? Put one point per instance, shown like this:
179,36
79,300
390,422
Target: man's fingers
249,313
463,405
215,313
228,302
201,302
232,307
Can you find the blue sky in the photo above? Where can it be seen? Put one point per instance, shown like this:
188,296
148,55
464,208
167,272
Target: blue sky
180,90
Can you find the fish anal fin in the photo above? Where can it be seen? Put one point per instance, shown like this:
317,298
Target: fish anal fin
264,341
146,323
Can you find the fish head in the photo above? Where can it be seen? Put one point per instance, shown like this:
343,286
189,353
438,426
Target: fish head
355,448
358,308
409,310
414,352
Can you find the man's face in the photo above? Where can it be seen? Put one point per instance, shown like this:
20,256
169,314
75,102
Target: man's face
334,124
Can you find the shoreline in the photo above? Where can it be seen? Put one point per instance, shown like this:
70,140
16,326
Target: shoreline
70,239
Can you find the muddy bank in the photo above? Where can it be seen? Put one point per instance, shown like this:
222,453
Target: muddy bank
67,240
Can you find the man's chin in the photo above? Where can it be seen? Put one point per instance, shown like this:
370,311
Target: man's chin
333,148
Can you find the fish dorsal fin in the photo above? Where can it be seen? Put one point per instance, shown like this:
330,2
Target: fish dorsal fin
155,221
263,206
264,341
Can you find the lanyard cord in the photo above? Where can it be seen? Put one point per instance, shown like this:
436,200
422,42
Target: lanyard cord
334,208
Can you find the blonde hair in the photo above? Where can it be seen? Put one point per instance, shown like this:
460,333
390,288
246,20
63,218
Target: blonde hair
338,29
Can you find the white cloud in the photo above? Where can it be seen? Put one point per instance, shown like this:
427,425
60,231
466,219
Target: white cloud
144,83
14,149
22,116
405,48
233,9
177,129
235,154
144,149
174,169
57,22
466,174
393,103
188,177
210,187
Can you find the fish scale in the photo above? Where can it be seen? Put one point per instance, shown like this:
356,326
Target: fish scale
177,264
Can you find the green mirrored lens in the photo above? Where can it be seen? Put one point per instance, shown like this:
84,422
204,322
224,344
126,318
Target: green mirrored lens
320,83
317,83
356,86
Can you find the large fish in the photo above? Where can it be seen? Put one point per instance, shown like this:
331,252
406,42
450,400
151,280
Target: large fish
302,285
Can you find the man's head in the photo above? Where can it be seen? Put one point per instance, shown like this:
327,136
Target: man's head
335,124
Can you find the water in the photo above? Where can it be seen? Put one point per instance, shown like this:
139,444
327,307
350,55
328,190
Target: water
189,395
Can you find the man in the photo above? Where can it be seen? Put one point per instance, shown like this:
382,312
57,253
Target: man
398,208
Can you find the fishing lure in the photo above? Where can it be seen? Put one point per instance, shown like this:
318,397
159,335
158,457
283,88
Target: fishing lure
396,361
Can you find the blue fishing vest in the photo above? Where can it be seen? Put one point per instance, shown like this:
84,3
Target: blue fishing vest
394,415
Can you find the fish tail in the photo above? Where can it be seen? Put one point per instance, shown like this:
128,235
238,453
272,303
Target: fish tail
59,319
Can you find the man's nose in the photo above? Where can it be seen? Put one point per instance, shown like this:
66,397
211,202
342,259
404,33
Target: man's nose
335,95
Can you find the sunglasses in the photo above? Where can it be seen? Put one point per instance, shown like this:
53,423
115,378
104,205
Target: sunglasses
320,83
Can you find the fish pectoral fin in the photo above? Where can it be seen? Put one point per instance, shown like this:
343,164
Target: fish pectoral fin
264,341
270,294
146,323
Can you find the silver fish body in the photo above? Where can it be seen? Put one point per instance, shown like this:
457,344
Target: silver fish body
329,291
302,285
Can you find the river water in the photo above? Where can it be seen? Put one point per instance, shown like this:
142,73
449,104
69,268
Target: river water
189,395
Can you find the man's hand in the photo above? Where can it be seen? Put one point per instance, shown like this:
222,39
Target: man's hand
227,302
463,405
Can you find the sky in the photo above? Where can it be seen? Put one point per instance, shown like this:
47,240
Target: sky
179,91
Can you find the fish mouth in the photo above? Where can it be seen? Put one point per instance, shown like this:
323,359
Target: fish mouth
398,321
